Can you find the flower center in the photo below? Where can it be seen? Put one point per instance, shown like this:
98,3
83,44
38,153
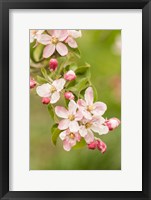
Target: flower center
89,108
71,135
88,125
54,40
52,89
71,117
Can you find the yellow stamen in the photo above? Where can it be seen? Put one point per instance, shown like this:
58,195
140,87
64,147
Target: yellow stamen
52,89
89,108
71,117
54,40
88,125
72,136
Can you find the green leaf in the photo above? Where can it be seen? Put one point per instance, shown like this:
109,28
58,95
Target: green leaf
82,70
55,133
44,73
37,53
95,93
75,51
80,85
41,80
52,113
80,144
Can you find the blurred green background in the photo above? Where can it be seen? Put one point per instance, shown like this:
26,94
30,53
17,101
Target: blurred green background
101,49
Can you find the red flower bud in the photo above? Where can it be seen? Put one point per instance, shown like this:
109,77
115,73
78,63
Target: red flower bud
112,123
93,145
101,146
45,100
70,75
32,83
53,64
69,95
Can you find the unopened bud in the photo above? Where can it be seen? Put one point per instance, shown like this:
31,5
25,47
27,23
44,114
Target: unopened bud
112,123
70,75
32,83
53,64
45,100
69,95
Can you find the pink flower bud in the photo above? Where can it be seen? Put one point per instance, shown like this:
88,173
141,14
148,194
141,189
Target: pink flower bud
70,75
112,123
32,83
93,145
69,95
45,100
101,146
53,64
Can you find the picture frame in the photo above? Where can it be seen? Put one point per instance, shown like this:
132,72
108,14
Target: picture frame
4,100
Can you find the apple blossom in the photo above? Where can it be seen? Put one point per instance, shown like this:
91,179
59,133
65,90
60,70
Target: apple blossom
51,90
72,34
53,64
45,100
69,139
70,117
88,108
69,95
32,83
54,41
70,75
34,34
96,124
112,123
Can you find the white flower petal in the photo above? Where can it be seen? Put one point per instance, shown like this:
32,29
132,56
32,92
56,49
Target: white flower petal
59,84
61,112
44,90
73,126
89,137
83,131
72,107
62,49
55,97
63,135
89,96
48,50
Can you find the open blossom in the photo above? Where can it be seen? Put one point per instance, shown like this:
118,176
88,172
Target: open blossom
88,108
72,35
51,90
70,75
32,83
54,41
96,124
69,139
70,117
112,123
34,34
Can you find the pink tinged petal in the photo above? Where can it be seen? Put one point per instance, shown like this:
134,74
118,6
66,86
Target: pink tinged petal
63,124
48,50
66,145
78,115
59,84
60,34
55,97
71,42
73,126
78,137
99,108
83,131
89,137
40,32
62,49
87,114
81,103
72,142
43,39
72,107
44,90
89,96
61,112
74,33
63,135
103,130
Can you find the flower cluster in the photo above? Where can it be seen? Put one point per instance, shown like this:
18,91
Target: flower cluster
81,119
